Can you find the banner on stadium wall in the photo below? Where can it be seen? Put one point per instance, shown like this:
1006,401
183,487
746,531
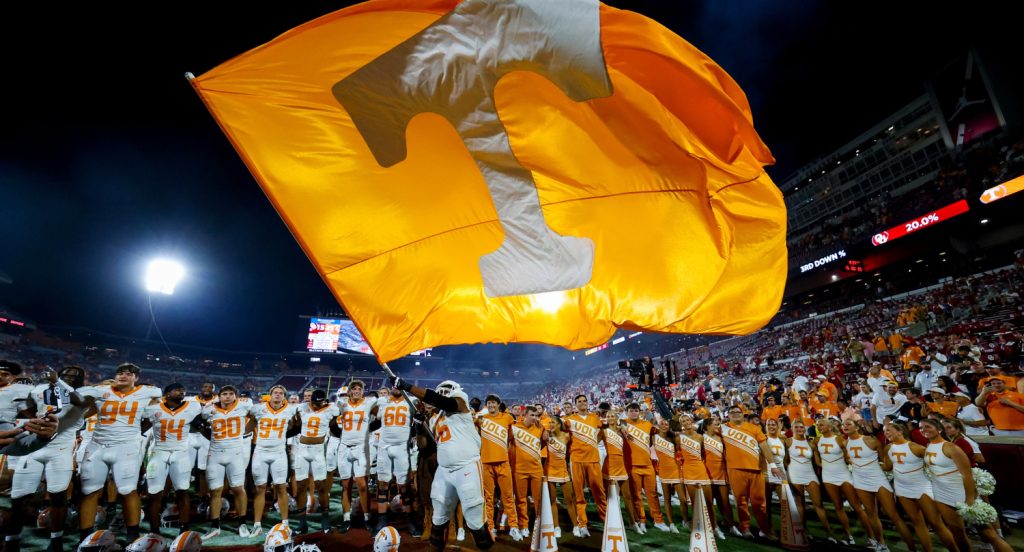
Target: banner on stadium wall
1005,189
921,222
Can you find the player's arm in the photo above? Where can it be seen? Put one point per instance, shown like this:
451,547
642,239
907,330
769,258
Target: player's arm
431,397
334,428
294,425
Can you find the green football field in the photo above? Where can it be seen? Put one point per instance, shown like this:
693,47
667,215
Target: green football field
359,539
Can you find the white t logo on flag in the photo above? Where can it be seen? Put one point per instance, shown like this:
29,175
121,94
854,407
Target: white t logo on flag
451,68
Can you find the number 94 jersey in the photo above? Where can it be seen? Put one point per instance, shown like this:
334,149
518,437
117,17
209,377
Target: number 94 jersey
120,414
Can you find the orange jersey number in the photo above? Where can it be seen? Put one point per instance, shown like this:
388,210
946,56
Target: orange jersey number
313,427
396,416
111,410
226,428
270,425
170,427
348,423
443,433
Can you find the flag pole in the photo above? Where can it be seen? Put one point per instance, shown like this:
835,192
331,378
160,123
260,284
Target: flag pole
387,370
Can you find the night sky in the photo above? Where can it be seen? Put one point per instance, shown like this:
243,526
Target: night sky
109,158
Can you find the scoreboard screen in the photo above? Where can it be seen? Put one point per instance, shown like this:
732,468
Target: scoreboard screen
328,335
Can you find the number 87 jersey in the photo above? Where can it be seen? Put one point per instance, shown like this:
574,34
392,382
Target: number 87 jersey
119,415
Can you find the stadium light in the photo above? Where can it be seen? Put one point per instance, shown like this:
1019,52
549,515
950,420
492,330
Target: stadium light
162,275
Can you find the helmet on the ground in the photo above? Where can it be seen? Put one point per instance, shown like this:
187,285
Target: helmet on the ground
189,541
387,540
396,504
98,541
279,539
170,516
147,543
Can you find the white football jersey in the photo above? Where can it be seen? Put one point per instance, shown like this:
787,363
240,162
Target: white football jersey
395,421
70,416
272,425
203,402
120,414
170,427
458,442
227,426
316,423
12,399
355,420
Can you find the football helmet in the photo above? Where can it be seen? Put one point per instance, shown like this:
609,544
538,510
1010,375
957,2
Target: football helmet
396,504
99,541
279,539
204,509
387,540
170,516
189,541
147,543
341,393
449,388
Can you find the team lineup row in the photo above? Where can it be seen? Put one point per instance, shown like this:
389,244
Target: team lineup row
456,455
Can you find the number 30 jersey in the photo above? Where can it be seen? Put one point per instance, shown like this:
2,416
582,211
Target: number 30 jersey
354,420
170,427
119,415
227,425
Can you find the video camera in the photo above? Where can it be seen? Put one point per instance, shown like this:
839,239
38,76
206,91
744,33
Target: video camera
637,367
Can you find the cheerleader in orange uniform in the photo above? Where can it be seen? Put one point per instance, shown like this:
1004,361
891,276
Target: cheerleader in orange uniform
558,473
714,460
696,480
668,471
614,469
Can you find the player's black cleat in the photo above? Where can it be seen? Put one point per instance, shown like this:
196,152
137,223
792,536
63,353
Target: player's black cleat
414,531
325,522
482,537
303,526
345,526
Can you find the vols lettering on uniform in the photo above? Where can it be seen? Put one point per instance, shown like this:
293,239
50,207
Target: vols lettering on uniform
527,442
493,432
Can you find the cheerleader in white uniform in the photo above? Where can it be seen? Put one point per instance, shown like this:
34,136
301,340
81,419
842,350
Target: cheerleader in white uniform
778,447
952,484
800,469
835,475
913,489
871,484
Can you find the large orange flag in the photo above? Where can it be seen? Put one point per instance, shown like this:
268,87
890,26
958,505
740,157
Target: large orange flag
516,170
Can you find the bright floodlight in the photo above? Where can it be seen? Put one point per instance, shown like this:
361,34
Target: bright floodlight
162,275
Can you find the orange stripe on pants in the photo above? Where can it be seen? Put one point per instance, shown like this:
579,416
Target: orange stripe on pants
499,471
527,483
644,479
749,484
588,474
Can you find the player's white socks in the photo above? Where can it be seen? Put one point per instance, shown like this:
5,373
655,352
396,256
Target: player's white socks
347,516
